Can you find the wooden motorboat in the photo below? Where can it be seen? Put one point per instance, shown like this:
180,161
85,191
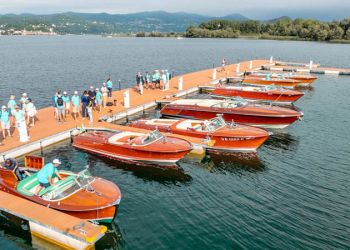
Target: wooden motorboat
305,80
78,194
153,148
265,81
269,93
216,134
239,111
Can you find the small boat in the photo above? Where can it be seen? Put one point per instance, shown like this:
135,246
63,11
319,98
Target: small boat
133,147
268,93
77,194
265,81
216,134
237,110
305,80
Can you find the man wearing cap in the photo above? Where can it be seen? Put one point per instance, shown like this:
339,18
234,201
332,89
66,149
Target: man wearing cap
66,101
23,101
75,104
45,175
92,95
5,122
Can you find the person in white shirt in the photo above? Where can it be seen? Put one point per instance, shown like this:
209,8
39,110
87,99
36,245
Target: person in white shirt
31,113
104,92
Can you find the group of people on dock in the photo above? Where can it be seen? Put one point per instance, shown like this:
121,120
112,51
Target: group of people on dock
23,114
20,115
92,99
153,80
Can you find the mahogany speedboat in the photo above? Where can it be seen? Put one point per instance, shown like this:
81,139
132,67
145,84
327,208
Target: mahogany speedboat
77,194
264,81
239,111
268,93
216,134
305,80
153,148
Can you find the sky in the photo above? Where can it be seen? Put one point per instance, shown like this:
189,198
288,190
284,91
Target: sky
255,9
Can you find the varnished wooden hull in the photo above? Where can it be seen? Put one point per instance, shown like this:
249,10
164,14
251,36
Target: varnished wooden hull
259,115
162,154
240,139
278,95
259,81
95,212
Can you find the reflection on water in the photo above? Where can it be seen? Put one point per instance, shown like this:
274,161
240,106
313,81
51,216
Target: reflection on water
16,229
145,172
113,239
282,141
234,162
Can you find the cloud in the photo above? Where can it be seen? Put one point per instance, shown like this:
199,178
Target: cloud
251,8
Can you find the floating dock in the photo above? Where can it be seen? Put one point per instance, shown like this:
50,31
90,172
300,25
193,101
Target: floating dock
48,131
305,68
52,226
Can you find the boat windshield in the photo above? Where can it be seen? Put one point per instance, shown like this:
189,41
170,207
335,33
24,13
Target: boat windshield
214,124
231,103
69,186
153,136
270,87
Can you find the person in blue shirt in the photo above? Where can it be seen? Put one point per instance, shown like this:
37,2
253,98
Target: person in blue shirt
46,174
98,99
84,101
11,105
5,122
75,105
109,87
66,101
53,99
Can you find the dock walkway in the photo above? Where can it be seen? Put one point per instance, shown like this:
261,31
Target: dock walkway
50,225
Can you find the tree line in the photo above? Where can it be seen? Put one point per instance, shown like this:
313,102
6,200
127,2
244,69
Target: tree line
297,29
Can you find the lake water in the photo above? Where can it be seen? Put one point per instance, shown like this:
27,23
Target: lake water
293,195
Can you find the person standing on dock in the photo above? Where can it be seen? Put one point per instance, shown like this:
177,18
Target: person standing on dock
5,122
109,87
46,174
147,80
54,104
21,124
60,107
98,100
92,95
104,92
223,64
23,101
84,102
31,113
164,80
75,104
11,105
167,79
89,107
66,101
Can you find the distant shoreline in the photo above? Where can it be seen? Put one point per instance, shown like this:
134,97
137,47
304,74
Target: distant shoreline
179,37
